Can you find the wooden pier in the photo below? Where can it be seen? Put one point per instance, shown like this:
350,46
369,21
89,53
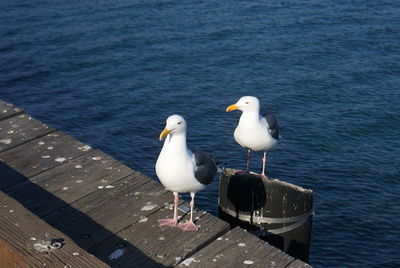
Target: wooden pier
57,191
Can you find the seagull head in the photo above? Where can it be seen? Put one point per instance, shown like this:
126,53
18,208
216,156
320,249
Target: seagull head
175,124
245,104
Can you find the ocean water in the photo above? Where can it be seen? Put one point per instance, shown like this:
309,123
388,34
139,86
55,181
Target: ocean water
110,72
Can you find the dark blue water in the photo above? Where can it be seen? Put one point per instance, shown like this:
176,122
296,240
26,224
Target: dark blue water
110,72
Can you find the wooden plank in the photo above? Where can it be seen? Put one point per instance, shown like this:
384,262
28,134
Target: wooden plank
8,176
298,264
36,156
9,257
58,187
238,248
98,198
8,110
77,220
115,214
21,229
20,129
164,245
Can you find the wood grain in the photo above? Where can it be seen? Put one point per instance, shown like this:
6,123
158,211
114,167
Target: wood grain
19,129
8,110
20,229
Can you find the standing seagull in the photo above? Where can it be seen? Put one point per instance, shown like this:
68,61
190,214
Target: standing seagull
180,170
255,132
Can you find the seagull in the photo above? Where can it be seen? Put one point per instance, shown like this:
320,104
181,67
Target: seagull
255,132
181,170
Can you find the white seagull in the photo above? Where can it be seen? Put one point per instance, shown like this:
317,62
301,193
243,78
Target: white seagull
181,170
255,132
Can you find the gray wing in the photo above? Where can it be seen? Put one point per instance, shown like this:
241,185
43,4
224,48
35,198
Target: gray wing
272,125
205,167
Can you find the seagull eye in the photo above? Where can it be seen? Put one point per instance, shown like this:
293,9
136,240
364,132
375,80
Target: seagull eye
179,123
246,102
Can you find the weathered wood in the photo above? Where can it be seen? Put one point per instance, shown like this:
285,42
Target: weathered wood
279,212
21,229
97,198
95,217
37,156
20,129
89,229
8,176
298,264
165,245
8,110
51,190
114,215
238,248
131,186
10,257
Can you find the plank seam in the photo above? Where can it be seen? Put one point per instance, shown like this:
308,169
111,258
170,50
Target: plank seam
123,229
11,115
77,200
293,262
206,243
43,171
28,140
111,200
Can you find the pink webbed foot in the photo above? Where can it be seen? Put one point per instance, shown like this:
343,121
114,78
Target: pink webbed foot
188,226
263,177
168,222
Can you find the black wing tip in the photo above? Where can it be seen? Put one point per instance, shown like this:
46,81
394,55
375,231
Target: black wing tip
206,167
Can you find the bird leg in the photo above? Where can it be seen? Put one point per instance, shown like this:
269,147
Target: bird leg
247,170
264,160
248,160
189,225
174,221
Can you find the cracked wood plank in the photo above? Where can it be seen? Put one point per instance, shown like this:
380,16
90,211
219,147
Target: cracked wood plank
164,245
238,248
37,156
58,187
8,110
20,129
21,229
114,214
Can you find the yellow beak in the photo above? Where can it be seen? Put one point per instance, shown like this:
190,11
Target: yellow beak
164,133
232,107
